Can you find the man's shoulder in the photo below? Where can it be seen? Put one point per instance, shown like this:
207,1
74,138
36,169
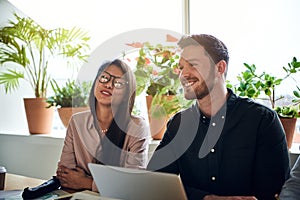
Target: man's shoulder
255,106
241,103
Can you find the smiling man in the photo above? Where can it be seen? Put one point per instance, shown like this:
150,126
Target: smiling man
224,146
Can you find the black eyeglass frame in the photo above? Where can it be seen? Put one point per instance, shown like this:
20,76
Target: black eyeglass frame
115,84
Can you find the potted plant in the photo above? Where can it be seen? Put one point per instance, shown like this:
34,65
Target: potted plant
252,84
288,116
27,48
70,98
262,86
156,72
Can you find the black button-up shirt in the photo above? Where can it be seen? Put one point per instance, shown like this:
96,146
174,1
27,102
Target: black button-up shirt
241,151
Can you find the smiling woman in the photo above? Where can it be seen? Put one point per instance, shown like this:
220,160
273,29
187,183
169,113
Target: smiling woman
108,133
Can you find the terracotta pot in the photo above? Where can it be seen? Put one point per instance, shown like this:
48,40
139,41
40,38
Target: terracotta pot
65,113
157,124
39,118
158,127
289,125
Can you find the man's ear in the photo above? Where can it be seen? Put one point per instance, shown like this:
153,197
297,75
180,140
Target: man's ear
221,66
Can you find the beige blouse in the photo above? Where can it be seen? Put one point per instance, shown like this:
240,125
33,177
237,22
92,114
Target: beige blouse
82,140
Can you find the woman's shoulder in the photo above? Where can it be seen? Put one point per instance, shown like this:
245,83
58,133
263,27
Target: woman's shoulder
82,114
82,117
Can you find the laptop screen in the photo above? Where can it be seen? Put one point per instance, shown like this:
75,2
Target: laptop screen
135,184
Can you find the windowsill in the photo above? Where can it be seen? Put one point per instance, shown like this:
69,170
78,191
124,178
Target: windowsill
53,134
295,149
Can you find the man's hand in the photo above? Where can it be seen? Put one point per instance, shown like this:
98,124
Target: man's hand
74,178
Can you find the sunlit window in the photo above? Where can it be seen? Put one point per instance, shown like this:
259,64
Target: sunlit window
105,19
102,19
264,33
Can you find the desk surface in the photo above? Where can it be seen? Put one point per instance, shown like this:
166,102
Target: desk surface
18,182
14,184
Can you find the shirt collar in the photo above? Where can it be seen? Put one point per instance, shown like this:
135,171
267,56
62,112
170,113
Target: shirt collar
230,102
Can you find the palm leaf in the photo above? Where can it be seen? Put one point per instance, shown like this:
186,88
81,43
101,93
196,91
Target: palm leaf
10,79
28,44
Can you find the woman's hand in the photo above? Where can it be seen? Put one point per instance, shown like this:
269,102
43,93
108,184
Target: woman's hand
74,178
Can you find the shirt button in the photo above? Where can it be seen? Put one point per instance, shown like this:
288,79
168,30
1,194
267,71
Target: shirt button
213,124
212,150
213,178
223,117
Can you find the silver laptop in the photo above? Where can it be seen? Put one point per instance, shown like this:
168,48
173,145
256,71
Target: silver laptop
134,184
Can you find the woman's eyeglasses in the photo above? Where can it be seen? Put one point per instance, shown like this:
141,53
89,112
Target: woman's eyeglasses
117,82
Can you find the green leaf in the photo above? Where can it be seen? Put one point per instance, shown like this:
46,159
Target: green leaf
71,94
10,79
296,93
28,44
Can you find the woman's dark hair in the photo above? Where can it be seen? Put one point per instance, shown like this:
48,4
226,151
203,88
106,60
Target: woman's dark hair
112,144
214,47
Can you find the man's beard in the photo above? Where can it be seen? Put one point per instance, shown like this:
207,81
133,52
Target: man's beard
198,93
202,90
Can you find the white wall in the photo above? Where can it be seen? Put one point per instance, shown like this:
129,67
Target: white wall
12,112
35,155
30,155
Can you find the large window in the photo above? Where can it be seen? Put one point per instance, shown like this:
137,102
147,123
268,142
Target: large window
264,33
102,19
